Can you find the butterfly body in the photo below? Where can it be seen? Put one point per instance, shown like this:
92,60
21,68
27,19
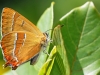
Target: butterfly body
21,40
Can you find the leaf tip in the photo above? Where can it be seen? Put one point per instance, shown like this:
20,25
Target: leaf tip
52,3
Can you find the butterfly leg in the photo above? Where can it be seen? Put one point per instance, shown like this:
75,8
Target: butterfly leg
14,68
34,59
44,51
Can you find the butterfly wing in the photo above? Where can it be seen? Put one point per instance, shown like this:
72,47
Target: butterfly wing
19,47
13,21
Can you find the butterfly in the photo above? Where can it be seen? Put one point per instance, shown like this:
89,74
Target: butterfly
21,40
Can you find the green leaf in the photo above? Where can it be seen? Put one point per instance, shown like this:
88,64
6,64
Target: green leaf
81,34
61,66
47,67
45,23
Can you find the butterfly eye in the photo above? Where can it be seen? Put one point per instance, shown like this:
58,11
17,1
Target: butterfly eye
47,35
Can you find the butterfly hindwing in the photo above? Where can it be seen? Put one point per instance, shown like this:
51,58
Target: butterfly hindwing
19,47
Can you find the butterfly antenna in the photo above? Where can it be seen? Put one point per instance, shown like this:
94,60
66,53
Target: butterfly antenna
48,30
52,29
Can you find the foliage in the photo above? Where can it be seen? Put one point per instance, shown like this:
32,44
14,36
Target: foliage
76,45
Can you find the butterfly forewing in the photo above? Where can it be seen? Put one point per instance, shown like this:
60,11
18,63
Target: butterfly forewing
13,21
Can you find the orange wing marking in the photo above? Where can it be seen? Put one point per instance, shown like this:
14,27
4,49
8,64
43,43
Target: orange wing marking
15,16
15,47
19,43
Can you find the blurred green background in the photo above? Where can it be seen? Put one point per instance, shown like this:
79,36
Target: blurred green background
33,9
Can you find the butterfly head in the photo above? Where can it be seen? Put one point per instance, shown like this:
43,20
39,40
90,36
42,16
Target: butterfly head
47,39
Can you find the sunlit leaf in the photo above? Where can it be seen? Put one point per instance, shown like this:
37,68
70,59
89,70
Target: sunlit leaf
47,67
81,33
61,66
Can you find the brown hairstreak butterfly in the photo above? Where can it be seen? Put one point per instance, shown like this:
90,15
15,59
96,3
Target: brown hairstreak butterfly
21,40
